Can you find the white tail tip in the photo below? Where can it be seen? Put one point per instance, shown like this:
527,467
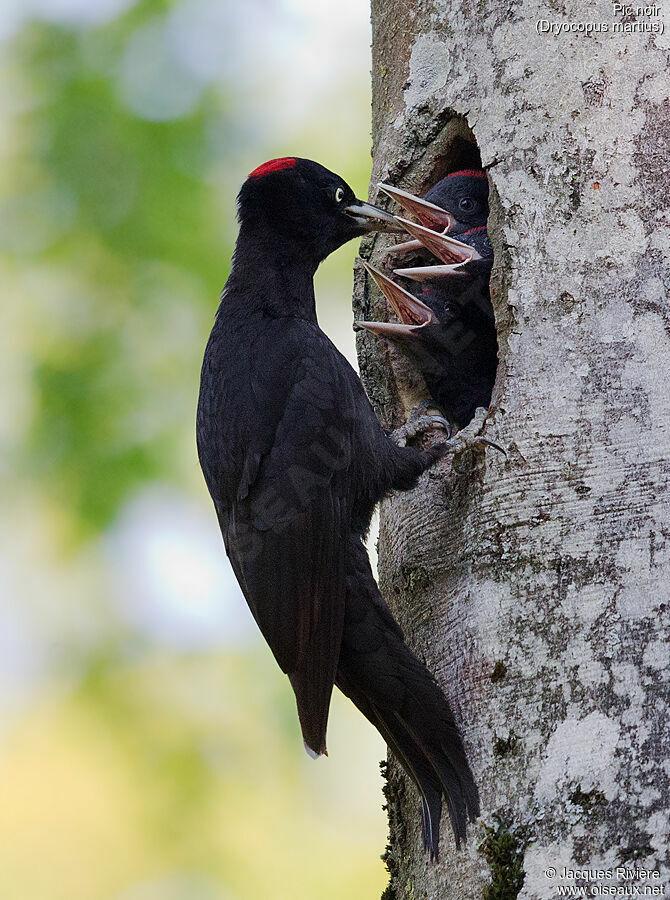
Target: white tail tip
312,753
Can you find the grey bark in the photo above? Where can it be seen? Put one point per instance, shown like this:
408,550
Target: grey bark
536,587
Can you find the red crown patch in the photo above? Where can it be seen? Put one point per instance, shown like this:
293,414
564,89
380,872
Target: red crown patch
474,173
273,165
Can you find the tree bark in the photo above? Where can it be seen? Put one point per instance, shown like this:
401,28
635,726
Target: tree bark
536,586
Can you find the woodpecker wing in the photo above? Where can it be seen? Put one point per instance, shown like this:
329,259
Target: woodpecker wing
286,530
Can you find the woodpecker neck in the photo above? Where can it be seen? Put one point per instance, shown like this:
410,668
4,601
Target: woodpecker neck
274,274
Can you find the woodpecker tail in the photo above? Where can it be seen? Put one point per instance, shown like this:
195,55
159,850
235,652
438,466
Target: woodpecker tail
400,697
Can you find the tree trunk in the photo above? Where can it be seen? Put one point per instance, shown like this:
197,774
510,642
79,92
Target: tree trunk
536,586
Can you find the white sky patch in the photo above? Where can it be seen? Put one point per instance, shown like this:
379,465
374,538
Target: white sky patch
21,657
178,886
274,62
47,604
151,81
171,577
12,16
76,13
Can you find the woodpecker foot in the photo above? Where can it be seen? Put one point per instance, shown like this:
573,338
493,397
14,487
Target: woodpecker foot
469,438
424,418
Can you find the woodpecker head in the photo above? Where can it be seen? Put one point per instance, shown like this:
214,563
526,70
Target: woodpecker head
301,202
456,204
465,195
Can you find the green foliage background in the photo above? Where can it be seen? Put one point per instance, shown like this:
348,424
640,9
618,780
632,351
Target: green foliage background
131,768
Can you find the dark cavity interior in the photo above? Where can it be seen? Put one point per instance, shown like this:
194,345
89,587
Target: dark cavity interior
458,356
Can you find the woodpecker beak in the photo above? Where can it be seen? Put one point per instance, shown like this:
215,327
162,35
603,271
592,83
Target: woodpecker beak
431,234
372,218
429,215
413,314
405,247
448,249
430,273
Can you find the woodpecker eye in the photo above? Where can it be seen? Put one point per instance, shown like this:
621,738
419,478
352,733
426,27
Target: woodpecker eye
467,204
339,195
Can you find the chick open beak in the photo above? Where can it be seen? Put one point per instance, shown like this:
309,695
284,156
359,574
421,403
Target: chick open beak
448,249
429,215
413,314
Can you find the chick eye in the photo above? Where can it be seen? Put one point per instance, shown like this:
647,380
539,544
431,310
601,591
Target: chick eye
339,195
466,203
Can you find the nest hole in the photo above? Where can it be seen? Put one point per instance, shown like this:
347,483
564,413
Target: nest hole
457,352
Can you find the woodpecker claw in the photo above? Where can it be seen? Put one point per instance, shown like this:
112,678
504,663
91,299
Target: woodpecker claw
430,215
493,444
420,421
470,436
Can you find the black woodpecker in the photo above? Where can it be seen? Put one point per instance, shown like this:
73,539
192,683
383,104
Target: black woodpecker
295,461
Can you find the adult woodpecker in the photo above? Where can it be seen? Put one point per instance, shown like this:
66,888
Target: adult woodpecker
295,461
448,328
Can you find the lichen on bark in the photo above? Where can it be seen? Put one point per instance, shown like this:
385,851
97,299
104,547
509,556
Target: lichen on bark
543,607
